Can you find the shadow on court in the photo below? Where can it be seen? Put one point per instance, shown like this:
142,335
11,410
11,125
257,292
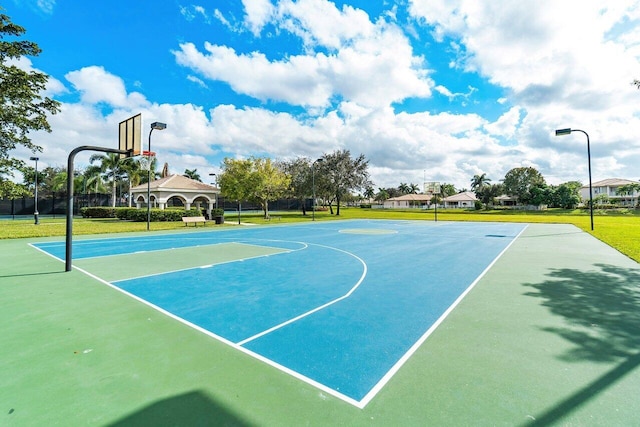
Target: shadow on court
602,307
31,274
194,408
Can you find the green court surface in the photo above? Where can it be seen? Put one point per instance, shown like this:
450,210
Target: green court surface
549,336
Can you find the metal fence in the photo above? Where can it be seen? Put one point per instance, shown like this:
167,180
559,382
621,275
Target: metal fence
51,206
57,205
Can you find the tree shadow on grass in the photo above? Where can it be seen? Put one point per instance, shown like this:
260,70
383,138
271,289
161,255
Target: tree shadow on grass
601,308
194,408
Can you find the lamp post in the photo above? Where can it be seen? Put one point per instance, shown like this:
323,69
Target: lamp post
560,132
35,207
313,188
154,126
216,184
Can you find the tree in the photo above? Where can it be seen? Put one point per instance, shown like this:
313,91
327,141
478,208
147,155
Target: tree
300,175
479,181
22,108
270,183
566,195
369,193
488,192
448,190
628,189
94,181
519,182
404,188
340,174
111,166
237,180
193,174
382,195
134,172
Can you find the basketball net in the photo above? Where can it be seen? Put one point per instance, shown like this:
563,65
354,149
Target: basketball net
145,160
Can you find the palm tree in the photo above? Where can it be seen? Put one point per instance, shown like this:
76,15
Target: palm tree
414,188
382,195
479,181
132,168
369,193
93,177
111,168
403,188
193,174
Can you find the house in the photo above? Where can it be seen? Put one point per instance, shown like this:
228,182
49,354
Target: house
505,200
177,190
609,187
408,201
466,199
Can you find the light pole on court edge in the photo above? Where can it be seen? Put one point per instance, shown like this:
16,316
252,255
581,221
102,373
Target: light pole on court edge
154,126
567,131
313,188
35,207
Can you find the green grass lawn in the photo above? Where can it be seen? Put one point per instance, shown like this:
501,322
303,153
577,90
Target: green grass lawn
620,230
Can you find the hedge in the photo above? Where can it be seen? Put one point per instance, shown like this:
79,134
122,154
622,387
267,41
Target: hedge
139,215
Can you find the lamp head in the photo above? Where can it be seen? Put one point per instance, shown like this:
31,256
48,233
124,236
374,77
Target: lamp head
158,126
34,158
563,131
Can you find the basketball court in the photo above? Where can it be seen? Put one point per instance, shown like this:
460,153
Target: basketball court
343,322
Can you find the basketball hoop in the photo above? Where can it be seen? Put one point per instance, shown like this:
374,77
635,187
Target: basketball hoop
145,159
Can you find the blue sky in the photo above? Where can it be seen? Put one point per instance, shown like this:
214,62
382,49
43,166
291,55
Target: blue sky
435,89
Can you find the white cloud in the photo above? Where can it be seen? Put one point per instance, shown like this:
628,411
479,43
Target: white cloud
197,81
319,22
97,85
566,64
554,72
46,6
43,6
367,63
257,14
540,55
506,125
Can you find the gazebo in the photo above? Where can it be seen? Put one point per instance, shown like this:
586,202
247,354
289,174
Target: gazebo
177,190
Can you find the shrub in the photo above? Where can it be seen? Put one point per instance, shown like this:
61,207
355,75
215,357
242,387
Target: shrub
125,213
139,215
98,212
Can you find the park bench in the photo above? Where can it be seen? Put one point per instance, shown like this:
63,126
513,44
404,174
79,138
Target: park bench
193,220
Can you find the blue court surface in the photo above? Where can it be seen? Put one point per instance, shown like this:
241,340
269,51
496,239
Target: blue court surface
341,305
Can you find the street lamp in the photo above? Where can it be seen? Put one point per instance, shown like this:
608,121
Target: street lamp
154,126
313,188
216,184
560,132
35,208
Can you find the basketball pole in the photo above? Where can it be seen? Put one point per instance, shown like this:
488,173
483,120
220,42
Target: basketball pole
72,155
154,126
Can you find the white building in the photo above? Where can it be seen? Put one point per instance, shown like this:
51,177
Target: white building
408,201
609,187
177,189
466,199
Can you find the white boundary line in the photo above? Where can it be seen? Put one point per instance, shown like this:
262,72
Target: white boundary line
239,347
361,404
396,367
310,312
